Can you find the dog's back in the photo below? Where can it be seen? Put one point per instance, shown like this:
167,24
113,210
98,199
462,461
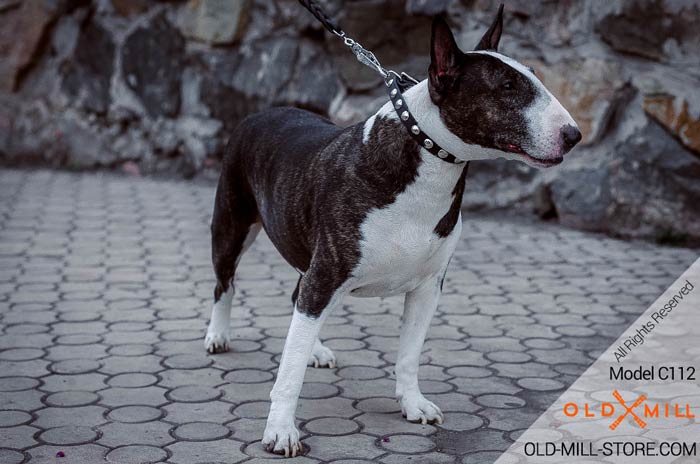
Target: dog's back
280,135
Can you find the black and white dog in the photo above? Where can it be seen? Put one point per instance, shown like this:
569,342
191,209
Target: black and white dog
366,211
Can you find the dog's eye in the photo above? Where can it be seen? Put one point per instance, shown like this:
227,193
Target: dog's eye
507,85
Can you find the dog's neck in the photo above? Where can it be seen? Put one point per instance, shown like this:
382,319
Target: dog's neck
427,114
436,177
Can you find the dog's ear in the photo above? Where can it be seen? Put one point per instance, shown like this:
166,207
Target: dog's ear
444,60
491,38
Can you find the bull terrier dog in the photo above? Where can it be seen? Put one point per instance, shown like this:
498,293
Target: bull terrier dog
370,210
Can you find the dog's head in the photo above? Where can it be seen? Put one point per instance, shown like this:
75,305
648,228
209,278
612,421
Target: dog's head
493,102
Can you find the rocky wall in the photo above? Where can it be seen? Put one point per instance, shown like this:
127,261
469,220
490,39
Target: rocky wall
155,87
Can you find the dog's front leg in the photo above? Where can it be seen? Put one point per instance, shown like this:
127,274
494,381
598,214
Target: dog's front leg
281,435
419,307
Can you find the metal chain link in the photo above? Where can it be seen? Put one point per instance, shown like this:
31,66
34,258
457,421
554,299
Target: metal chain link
363,55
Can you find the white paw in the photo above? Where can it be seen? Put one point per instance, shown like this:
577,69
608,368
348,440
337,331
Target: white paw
216,342
415,408
282,439
321,356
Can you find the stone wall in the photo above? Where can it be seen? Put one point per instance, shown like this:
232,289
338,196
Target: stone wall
155,87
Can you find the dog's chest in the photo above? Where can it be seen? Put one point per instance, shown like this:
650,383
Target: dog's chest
399,247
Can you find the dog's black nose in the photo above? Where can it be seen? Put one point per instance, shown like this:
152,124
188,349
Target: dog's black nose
571,136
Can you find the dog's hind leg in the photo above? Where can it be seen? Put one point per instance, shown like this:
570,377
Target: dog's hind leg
233,231
419,307
321,355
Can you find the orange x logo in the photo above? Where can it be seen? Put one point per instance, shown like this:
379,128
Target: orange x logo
628,410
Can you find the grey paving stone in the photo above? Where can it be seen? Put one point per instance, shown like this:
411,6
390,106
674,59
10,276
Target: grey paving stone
136,454
188,361
344,344
74,366
194,394
19,437
361,373
201,431
344,447
226,450
133,380
382,424
78,339
60,416
173,378
316,390
481,456
461,443
13,339
21,354
337,406
105,294
68,435
130,349
500,401
525,369
461,421
359,389
379,405
147,337
211,411
85,382
427,458
135,414
544,343
408,444
8,384
19,368
248,376
509,419
434,386
508,356
71,398
23,400
469,371
252,410
331,426
118,396
540,384
85,453
122,364
8,456
10,418
154,433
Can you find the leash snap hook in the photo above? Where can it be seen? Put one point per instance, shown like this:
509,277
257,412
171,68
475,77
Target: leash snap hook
367,58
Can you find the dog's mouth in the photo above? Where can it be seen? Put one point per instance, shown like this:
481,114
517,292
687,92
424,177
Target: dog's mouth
513,148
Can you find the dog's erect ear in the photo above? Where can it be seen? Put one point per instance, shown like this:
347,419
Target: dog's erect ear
444,60
490,40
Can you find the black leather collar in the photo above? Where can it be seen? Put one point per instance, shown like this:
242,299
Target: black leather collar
395,85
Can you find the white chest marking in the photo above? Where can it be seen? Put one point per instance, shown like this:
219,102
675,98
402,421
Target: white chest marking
399,248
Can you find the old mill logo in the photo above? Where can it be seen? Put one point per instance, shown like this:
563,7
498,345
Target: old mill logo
637,410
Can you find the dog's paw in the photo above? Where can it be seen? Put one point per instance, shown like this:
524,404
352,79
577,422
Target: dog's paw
216,342
282,439
415,408
321,356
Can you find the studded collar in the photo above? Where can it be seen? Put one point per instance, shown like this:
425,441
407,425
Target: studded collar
421,138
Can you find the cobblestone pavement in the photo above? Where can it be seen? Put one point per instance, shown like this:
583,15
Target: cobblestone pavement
106,288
